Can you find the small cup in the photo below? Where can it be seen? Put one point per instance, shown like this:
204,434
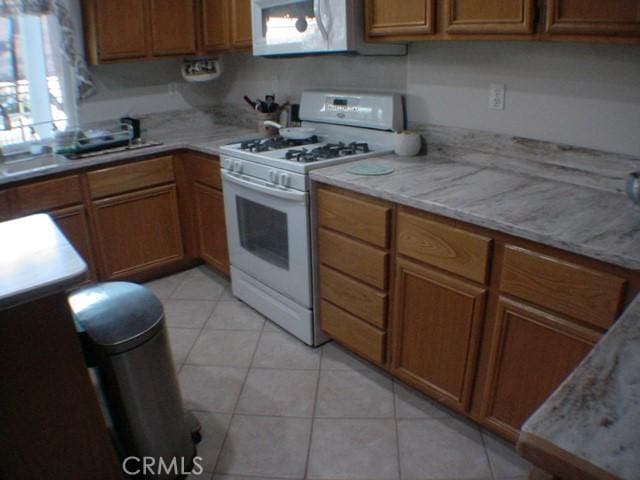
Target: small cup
266,130
407,143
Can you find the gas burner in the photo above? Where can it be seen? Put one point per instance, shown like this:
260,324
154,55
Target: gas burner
326,152
259,145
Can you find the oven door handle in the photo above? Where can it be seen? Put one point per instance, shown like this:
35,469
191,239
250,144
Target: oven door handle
300,197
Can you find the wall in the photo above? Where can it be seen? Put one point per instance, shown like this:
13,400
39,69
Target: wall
585,95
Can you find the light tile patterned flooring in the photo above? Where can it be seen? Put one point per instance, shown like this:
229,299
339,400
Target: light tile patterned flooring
273,408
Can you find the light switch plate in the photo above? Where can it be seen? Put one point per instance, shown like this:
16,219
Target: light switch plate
497,96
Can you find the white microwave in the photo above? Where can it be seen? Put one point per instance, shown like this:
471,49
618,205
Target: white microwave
296,27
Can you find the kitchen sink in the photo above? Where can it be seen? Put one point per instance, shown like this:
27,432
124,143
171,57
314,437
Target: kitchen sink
29,164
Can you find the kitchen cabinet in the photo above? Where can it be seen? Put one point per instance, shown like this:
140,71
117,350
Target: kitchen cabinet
226,25
62,199
173,27
584,17
205,209
489,17
615,21
481,321
5,206
215,25
436,331
212,234
385,18
240,20
532,352
354,260
74,224
115,29
138,231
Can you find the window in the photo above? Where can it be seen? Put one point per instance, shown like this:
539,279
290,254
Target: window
32,104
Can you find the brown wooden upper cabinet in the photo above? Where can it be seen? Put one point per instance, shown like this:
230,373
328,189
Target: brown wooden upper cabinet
489,16
389,18
241,23
115,29
589,17
226,25
172,27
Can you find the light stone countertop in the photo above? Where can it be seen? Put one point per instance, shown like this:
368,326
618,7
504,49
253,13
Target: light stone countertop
36,260
188,129
595,414
565,197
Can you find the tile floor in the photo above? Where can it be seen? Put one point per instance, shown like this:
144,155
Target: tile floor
273,408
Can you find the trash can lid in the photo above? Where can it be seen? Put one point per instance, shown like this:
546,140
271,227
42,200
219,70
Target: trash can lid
117,316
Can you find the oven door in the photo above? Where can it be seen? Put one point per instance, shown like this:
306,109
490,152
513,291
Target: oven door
268,234
285,27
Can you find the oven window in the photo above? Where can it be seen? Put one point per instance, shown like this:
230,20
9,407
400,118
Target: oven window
293,21
263,232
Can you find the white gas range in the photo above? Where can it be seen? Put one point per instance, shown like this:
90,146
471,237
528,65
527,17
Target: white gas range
266,197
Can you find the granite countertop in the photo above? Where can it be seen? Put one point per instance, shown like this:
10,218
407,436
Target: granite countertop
595,414
35,260
196,130
566,197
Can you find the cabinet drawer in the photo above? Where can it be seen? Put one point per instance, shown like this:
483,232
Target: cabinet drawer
132,176
48,195
452,249
355,334
204,169
361,261
573,290
358,218
354,297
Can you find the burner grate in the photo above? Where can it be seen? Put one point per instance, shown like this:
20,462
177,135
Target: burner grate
327,152
259,145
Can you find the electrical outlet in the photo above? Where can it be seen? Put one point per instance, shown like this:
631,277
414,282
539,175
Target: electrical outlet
496,96
172,88
275,84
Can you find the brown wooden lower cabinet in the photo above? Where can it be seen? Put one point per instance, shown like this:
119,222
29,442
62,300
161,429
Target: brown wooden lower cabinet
436,332
138,231
5,206
212,233
532,352
74,224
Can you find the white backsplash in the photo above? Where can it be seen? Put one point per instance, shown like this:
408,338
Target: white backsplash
584,95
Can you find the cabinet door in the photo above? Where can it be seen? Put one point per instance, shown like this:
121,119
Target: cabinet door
436,332
138,231
73,223
532,352
121,29
172,27
212,232
388,18
5,207
489,16
215,25
241,36
588,17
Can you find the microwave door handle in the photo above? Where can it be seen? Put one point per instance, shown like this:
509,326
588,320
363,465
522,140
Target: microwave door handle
318,14
300,197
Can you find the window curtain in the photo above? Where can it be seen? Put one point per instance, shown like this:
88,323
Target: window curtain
67,29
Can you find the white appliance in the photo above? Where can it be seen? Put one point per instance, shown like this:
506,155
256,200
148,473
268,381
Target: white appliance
292,27
266,198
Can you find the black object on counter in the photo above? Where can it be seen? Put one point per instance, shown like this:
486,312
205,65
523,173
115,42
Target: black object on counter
135,126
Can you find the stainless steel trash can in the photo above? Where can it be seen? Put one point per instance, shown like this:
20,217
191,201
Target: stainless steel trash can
125,334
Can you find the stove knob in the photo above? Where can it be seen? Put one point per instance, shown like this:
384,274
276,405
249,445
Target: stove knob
273,176
240,166
227,163
285,180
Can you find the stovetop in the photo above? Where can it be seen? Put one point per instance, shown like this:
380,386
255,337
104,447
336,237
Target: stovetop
259,145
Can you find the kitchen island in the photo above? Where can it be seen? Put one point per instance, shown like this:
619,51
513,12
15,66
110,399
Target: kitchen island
52,426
